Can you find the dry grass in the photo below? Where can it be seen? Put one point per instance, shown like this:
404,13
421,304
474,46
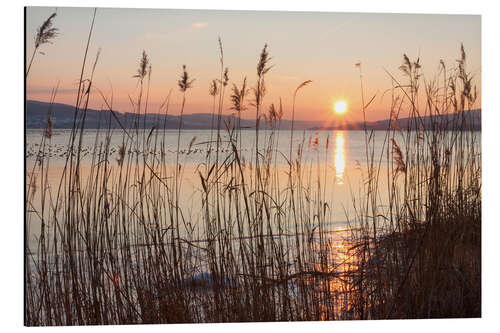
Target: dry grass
116,248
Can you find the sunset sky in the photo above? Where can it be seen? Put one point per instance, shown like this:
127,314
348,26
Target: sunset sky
322,47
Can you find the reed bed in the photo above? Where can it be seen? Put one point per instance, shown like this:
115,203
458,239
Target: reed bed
115,246
427,261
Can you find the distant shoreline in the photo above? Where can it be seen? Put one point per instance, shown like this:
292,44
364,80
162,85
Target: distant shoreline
62,117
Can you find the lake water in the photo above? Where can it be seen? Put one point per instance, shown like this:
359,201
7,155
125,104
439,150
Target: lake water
336,158
344,147
123,216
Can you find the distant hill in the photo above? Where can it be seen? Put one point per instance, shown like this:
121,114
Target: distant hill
471,120
468,120
62,116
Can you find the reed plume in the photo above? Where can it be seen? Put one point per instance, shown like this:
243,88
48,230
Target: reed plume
142,71
185,82
238,97
213,90
44,34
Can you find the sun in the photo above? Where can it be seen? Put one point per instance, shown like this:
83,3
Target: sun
340,107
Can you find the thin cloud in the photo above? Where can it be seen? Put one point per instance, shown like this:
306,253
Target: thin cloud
199,25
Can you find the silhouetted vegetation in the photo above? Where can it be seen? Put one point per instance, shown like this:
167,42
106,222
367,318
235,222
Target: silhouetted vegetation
115,247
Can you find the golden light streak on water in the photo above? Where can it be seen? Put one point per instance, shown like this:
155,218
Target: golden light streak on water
339,157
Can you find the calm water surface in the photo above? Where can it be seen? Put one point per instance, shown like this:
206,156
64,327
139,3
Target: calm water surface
338,157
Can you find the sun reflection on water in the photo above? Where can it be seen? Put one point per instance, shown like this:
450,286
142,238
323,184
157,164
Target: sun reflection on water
336,297
339,157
